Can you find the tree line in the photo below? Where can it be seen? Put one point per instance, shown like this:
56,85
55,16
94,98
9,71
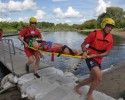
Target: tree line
116,13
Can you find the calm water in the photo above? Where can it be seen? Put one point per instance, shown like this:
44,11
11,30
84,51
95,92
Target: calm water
74,40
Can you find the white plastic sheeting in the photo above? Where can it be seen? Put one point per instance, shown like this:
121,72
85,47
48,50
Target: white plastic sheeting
53,85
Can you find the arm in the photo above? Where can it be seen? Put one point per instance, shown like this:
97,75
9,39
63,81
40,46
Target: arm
83,46
99,55
87,40
22,41
108,49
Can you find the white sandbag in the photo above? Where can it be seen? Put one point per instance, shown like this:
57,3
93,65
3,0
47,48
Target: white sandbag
71,75
37,87
120,99
7,85
68,74
50,71
8,78
7,82
25,78
12,78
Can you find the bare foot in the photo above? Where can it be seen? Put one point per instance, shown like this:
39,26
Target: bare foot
90,97
78,91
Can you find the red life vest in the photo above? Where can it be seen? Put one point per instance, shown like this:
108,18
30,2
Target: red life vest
100,44
30,33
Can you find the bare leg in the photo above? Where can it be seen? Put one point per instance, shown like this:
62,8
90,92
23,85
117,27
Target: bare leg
37,57
31,60
77,52
66,51
84,82
97,77
57,45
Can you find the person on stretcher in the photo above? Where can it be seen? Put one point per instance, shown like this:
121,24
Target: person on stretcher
55,47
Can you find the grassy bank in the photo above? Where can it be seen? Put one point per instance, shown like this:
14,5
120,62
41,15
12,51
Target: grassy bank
9,31
14,31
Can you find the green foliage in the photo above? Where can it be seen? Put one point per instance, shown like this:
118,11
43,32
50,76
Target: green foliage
100,18
45,25
116,13
90,24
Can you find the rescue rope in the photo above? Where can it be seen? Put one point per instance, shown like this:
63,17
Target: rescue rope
75,68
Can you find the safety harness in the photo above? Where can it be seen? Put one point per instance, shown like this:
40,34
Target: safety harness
28,38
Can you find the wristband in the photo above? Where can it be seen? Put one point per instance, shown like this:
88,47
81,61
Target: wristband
84,50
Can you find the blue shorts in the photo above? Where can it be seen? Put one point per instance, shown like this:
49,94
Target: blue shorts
48,43
92,63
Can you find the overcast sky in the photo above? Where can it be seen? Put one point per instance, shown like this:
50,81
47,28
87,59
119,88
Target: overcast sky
55,11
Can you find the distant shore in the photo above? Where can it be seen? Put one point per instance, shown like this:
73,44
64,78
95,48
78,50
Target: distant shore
119,33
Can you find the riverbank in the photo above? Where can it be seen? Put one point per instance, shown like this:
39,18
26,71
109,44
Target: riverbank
119,33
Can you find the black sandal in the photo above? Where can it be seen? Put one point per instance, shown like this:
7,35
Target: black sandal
37,76
27,68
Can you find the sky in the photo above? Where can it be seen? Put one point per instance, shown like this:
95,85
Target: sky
55,11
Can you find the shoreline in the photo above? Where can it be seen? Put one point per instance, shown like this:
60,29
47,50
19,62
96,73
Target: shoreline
117,33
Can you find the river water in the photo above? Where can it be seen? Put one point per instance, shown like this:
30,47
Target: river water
74,40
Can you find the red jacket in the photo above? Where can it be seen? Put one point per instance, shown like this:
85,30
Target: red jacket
99,44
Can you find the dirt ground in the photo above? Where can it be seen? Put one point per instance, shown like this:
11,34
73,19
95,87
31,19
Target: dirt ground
11,94
114,81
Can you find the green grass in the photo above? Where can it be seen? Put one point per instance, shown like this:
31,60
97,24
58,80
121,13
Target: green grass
9,31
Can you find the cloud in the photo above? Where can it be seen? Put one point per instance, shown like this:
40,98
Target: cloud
101,8
21,19
82,20
3,7
58,12
40,14
59,0
3,19
18,6
14,6
70,13
29,5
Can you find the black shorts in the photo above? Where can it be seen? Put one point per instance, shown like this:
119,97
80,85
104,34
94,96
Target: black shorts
92,63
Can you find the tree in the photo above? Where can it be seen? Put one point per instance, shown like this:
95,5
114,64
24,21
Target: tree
90,24
117,14
100,18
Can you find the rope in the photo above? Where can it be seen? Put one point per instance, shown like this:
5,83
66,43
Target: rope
75,68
